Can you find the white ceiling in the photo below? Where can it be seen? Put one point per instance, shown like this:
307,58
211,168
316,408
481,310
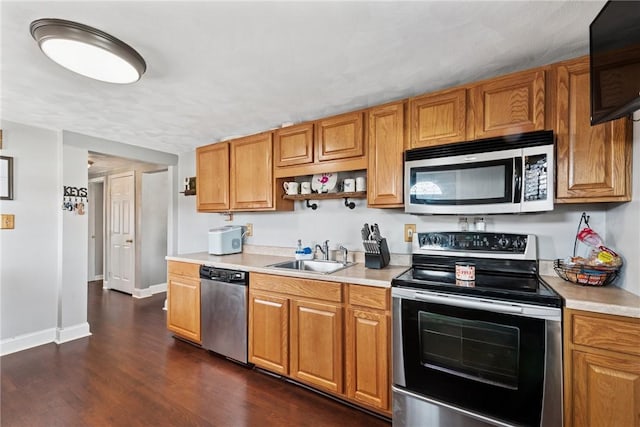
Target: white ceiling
222,69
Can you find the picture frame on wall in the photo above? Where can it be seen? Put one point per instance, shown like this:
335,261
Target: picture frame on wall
6,178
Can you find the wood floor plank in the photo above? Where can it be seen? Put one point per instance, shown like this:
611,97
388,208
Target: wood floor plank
132,372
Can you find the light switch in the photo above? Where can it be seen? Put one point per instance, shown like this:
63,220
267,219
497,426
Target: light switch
7,221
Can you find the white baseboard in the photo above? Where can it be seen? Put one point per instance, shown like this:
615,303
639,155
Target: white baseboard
105,285
72,333
151,290
23,342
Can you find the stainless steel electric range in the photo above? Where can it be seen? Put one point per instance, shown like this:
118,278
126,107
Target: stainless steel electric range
476,334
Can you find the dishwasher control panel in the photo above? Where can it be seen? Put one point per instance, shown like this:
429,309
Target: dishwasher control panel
222,274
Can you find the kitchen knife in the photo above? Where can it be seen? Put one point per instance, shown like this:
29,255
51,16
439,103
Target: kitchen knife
365,232
376,232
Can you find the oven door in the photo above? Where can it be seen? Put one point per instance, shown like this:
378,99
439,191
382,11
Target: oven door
466,184
487,358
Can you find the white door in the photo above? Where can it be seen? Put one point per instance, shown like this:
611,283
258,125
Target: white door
122,232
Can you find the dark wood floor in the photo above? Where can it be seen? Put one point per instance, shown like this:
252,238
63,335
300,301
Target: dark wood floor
132,372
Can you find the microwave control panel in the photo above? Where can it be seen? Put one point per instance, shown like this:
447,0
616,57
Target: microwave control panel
535,177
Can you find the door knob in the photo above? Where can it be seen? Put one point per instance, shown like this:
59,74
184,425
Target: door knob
129,241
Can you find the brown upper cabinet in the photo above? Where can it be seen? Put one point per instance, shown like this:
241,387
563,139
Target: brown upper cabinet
496,107
338,145
438,118
340,137
238,176
593,162
386,140
212,183
294,145
506,105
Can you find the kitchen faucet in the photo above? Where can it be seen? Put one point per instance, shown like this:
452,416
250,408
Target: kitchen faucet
324,249
345,253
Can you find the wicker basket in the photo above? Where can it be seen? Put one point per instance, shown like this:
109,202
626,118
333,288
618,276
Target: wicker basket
586,274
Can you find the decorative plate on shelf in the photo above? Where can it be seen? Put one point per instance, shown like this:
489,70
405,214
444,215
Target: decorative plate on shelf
324,182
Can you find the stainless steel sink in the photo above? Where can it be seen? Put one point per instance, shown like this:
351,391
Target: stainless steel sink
313,266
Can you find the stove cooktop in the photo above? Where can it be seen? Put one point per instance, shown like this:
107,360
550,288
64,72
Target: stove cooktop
506,266
506,287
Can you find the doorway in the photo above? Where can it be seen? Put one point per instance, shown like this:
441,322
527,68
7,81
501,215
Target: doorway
95,270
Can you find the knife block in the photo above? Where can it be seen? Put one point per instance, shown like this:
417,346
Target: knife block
379,259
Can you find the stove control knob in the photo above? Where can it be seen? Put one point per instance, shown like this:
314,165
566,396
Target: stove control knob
519,243
503,242
436,240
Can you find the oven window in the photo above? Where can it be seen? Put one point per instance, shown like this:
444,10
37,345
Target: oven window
474,183
482,351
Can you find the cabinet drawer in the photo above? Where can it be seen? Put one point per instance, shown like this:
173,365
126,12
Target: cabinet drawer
328,291
369,296
607,333
184,269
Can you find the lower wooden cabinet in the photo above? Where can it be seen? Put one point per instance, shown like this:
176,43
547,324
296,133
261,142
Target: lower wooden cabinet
602,370
298,328
316,344
269,332
368,357
183,300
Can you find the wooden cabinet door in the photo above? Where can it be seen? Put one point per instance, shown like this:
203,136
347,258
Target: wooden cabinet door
593,162
212,173
340,137
252,172
507,105
438,118
367,364
268,332
293,145
386,163
183,307
606,390
316,344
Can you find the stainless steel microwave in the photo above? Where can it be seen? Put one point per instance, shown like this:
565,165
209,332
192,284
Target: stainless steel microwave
510,174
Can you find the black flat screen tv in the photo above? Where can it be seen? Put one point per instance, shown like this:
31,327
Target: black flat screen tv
614,47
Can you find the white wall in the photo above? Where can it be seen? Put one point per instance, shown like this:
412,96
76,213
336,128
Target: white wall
153,232
43,262
623,224
333,221
29,264
72,298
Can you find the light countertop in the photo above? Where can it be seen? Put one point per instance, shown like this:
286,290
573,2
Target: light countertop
606,299
357,274
600,299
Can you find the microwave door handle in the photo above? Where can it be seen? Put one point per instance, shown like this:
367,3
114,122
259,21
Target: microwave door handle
517,179
465,303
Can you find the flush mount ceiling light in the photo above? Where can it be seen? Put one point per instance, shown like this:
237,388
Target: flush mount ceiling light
88,51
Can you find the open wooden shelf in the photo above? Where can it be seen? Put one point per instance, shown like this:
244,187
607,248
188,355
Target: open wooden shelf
324,196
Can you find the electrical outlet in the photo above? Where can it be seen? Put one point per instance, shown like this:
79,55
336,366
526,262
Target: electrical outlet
7,221
249,231
409,231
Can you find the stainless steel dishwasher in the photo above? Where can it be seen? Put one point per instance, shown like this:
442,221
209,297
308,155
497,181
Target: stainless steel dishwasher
224,311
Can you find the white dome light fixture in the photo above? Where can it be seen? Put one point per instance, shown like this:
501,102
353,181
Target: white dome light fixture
88,51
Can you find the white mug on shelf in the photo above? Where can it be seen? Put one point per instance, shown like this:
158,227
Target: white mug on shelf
305,187
291,188
361,184
349,185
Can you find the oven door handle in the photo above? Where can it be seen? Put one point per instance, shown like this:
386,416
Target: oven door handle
465,303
